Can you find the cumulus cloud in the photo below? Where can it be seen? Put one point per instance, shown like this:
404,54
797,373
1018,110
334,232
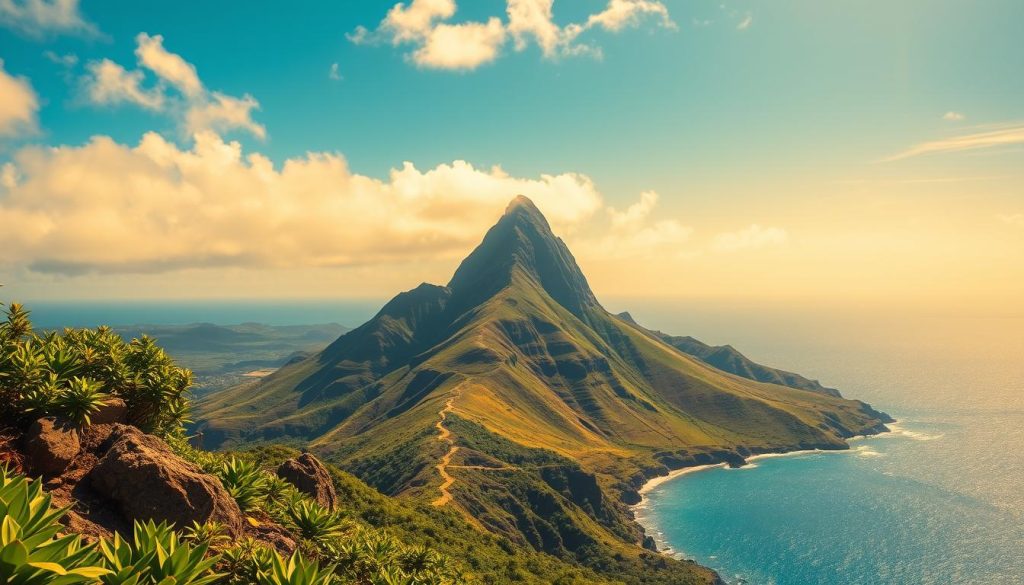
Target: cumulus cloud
751,238
177,90
334,73
168,66
19,105
110,84
631,233
1009,135
441,44
952,116
466,45
624,13
154,207
38,18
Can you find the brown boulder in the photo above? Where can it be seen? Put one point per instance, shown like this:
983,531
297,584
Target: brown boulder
51,446
114,411
310,477
148,481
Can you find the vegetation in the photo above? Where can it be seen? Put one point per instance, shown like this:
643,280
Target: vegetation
554,410
73,373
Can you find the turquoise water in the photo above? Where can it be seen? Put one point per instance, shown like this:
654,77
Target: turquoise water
941,500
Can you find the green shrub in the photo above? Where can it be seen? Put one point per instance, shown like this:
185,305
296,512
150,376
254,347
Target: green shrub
313,522
244,481
31,553
296,571
212,534
80,400
157,555
70,373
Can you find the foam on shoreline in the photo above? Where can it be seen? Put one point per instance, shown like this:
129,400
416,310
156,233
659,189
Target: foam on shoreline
894,430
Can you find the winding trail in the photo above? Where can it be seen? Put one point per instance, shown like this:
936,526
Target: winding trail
443,434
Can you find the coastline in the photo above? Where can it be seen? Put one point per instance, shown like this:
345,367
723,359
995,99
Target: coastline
892,428
639,509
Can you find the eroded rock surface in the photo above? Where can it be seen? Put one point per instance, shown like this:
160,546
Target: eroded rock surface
310,477
147,480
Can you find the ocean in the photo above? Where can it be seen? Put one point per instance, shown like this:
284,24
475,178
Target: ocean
938,501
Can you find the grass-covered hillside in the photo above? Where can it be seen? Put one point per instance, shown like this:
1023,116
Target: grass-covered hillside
63,523
514,398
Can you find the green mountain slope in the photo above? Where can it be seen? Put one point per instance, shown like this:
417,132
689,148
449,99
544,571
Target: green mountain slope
727,359
513,396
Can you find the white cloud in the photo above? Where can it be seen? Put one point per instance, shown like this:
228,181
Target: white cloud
751,238
168,66
441,44
195,107
334,73
952,116
1014,219
634,214
110,84
623,13
746,22
38,18
154,207
466,45
1003,136
632,234
221,113
19,105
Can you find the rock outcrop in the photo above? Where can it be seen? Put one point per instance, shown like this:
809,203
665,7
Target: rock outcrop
146,480
114,411
310,477
51,446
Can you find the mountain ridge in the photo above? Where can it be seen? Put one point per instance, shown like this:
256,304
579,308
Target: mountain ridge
555,411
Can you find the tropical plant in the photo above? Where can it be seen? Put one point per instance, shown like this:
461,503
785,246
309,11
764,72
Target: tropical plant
244,481
296,571
157,555
31,553
244,562
278,492
212,534
68,373
80,399
314,522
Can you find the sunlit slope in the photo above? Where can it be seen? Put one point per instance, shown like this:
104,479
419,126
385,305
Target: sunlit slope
555,410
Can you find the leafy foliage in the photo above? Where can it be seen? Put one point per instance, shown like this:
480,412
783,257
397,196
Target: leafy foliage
157,555
31,553
72,373
244,481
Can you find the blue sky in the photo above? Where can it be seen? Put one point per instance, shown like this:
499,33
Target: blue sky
729,112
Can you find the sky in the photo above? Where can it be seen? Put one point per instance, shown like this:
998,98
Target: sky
792,150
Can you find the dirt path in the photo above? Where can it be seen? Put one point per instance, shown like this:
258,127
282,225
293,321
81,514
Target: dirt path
443,434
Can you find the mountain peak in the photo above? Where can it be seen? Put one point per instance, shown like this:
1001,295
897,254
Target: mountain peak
522,241
522,204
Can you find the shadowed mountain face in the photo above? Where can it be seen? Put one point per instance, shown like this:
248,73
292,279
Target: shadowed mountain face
514,397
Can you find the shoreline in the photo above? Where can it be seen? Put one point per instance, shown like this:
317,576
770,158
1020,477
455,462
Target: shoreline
749,461
640,510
